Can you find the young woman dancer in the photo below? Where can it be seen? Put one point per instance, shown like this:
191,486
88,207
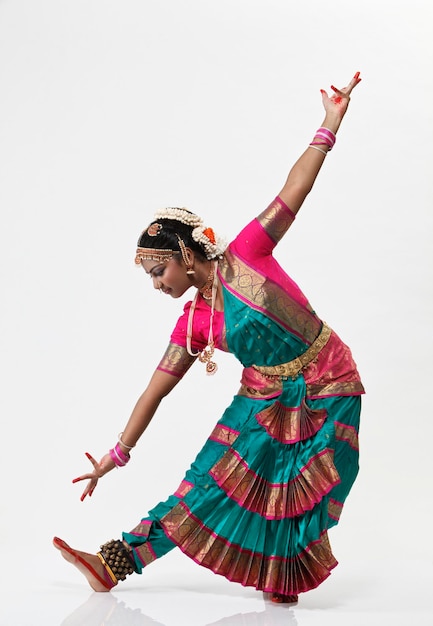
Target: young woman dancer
271,479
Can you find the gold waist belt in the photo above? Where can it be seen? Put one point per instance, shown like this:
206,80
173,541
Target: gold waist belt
292,368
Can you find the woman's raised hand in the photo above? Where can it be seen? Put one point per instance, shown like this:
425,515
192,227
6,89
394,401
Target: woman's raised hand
105,465
339,101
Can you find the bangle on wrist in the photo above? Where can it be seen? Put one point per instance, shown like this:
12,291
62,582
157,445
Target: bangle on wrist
122,443
119,458
312,145
325,137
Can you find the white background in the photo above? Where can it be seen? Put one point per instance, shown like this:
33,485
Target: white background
111,109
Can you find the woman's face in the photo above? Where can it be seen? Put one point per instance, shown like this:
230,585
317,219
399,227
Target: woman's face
170,277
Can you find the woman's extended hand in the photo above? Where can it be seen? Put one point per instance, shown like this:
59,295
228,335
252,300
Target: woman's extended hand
105,465
337,104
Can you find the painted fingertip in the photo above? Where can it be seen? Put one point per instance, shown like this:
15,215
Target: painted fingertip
89,456
82,497
322,91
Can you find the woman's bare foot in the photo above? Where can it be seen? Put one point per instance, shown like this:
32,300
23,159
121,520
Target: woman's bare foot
87,564
280,598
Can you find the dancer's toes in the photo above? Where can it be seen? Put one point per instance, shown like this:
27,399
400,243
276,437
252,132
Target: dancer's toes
88,564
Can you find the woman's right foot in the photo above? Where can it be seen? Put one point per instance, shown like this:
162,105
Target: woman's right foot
280,598
88,564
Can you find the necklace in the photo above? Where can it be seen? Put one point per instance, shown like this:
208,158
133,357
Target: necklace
205,356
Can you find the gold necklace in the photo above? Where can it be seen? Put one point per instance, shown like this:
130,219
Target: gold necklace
205,356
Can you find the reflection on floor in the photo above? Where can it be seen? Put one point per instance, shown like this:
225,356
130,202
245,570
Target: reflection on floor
181,594
109,610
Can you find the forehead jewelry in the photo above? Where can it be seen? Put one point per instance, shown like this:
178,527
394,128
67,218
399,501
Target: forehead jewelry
154,229
153,254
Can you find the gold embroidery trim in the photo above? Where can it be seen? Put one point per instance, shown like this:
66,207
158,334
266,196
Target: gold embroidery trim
275,220
264,295
176,360
144,550
276,500
335,389
146,554
291,424
141,530
348,434
224,434
292,368
305,571
334,509
184,488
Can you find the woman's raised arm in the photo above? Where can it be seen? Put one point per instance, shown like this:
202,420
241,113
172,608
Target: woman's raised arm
304,172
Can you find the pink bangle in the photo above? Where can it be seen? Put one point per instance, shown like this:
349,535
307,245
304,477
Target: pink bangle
114,458
324,136
119,458
122,456
328,133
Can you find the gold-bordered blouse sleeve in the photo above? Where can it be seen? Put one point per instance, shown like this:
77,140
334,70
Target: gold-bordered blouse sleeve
276,219
176,360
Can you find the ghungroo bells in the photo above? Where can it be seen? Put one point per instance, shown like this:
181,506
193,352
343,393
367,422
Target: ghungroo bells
117,560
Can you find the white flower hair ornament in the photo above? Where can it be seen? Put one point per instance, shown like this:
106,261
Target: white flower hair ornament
212,245
180,214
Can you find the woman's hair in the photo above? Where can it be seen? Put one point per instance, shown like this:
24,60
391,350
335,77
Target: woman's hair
173,224
167,237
